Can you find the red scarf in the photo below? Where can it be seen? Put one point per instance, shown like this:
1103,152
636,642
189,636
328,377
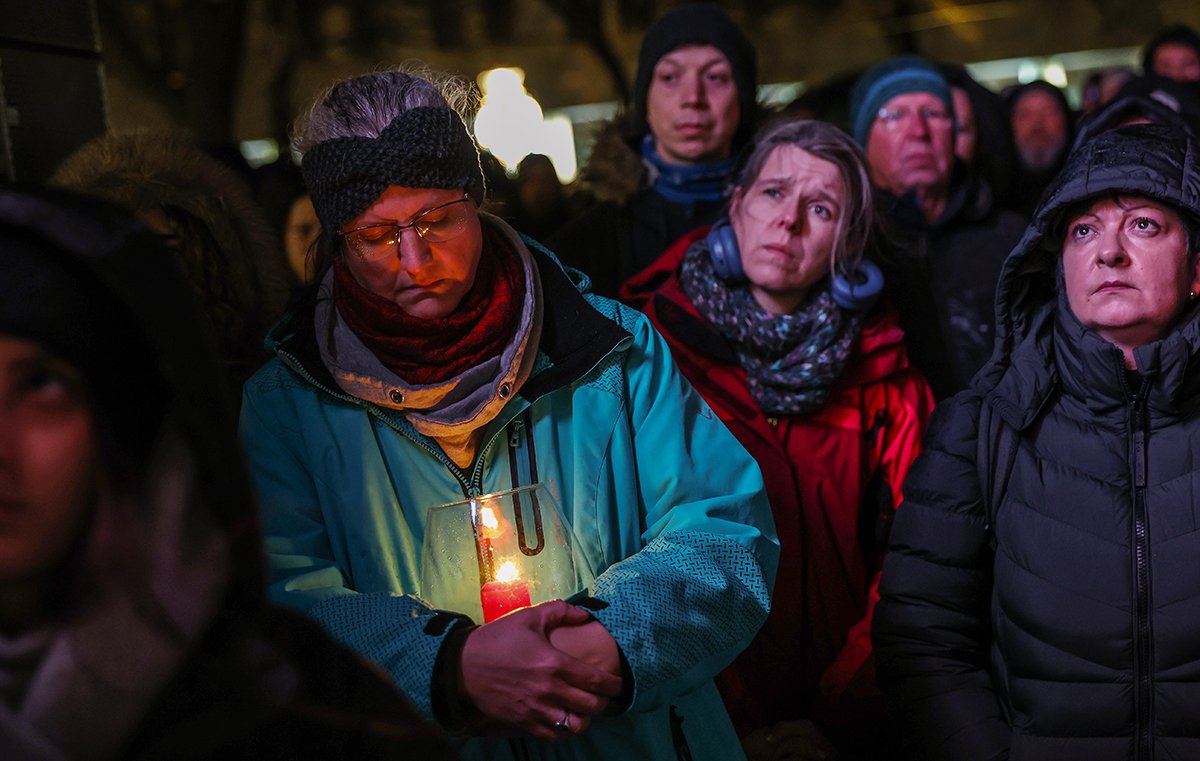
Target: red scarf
477,330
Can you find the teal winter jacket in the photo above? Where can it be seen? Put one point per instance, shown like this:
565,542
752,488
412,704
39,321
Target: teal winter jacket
666,508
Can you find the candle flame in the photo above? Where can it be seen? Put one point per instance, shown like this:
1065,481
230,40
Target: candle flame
488,518
507,571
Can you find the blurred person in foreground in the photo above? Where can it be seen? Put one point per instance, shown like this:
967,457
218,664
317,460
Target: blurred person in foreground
772,314
949,236
442,356
1040,598
133,623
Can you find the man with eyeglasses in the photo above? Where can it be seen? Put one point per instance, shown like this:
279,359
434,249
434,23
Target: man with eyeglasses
942,270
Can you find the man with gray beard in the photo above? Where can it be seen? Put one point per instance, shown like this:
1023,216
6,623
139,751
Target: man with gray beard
1042,128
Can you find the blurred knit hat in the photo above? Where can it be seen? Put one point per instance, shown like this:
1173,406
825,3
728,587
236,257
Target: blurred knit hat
896,76
63,281
423,147
700,24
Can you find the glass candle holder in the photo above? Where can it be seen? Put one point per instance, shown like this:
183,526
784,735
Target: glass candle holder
497,553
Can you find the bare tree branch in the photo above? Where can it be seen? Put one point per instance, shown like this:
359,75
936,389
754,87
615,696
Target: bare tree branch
585,22
149,74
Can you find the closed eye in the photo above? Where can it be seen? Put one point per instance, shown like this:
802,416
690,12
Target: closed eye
431,217
375,233
47,382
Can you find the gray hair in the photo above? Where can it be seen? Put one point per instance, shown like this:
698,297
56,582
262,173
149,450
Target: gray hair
856,224
363,106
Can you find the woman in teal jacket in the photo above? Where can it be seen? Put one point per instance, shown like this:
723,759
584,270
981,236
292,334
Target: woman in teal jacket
441,356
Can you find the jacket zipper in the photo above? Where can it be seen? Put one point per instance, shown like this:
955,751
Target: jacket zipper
1143,676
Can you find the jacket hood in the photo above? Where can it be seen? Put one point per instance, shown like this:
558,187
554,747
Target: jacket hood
1157,106
1149,160
614,170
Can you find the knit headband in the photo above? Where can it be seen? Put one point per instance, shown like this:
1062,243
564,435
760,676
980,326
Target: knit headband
424,147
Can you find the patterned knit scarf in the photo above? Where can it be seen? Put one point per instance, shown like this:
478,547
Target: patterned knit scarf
686,184
481,326
791,360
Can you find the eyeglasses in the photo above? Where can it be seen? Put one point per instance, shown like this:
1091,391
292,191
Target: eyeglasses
893,119
441,223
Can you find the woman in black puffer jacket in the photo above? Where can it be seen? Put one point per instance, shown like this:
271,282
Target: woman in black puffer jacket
1041,599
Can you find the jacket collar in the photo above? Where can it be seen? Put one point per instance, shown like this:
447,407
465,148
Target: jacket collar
575,336
1058,354
968,199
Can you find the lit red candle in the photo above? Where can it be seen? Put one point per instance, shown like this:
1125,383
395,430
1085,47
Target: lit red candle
504,595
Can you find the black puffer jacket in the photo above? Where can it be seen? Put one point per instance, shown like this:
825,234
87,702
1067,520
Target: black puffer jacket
1078,636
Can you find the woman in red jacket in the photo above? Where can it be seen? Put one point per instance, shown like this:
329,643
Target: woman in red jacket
771,315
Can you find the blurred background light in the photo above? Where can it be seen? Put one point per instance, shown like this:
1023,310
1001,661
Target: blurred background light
510,124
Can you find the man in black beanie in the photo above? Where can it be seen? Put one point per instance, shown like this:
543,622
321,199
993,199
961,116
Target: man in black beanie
661,169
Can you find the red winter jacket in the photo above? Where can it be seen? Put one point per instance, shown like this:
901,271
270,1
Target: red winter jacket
833,478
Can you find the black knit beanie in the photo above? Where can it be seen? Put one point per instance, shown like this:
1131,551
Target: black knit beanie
700,24
1177,33
424,147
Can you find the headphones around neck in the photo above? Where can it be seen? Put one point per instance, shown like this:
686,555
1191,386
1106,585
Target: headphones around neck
856,292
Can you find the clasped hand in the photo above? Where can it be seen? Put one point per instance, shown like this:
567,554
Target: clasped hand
539,667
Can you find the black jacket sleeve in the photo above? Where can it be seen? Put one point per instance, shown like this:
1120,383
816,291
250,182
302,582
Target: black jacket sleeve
932,631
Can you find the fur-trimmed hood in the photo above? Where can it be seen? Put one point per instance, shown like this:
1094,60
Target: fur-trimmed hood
614,171
227,248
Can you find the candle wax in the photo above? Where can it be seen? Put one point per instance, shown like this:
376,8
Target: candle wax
500,597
